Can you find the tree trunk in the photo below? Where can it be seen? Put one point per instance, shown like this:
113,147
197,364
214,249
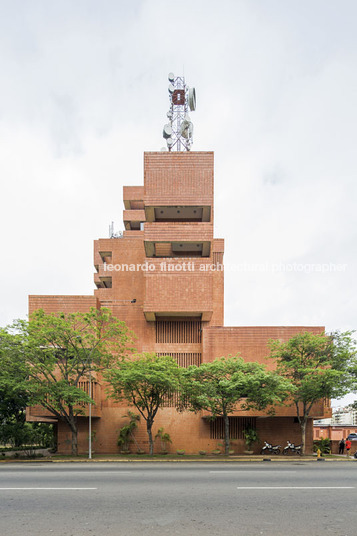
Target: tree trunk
226,434
74,442
151,443
303,435
72,421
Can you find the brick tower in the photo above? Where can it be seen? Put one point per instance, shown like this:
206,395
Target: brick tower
164,277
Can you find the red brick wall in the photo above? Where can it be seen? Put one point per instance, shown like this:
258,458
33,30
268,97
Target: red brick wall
178,178
65,304
187,431
250,342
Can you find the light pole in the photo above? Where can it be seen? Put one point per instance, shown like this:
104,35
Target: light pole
90,417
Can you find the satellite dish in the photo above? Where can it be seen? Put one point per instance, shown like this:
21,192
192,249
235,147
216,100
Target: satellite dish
186,129
171,89
171,77
192,99
169,142
167,132
163,149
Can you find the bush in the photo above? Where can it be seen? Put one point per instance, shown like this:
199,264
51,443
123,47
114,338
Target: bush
324,445
164,440
126,432
251,437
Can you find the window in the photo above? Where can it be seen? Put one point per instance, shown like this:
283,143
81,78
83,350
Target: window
237,425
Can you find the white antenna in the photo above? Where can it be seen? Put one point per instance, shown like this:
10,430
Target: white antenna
112,233
178,133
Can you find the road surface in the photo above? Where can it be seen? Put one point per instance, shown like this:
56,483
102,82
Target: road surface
186,499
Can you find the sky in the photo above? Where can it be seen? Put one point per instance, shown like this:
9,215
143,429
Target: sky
84,94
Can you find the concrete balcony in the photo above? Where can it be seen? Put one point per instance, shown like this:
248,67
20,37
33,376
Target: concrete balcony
186,238
103,279
133,197
191,213
317,411
132,219
178,232
178,294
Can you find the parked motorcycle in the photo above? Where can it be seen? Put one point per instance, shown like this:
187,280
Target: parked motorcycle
274,449
291,447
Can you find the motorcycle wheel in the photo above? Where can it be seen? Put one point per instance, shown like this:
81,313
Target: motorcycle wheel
262,451
285,451
277,451
355,455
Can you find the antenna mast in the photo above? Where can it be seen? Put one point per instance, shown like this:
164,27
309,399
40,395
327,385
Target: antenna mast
178,133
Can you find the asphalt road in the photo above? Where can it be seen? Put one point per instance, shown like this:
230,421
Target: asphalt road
145,499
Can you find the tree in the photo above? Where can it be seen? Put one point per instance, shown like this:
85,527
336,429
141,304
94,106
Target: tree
146,382
14,398
62,350
13,391
318,366
218,386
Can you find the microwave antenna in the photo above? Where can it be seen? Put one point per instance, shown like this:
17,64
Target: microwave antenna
178,132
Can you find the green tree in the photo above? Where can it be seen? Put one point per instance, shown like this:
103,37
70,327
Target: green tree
13,390
146,382
61,350
14,398
218,386
318,366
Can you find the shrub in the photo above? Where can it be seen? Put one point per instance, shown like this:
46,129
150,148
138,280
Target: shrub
324,444
126,432
251,437
164,439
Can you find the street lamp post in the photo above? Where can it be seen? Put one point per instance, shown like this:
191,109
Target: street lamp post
90,418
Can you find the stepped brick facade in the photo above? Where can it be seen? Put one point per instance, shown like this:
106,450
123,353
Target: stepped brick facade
164,277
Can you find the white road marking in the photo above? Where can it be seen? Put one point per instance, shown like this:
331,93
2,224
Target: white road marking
243,472
22,489
93,472
75,472
296,487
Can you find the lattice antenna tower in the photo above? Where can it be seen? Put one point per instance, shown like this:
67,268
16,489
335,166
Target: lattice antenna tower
178,132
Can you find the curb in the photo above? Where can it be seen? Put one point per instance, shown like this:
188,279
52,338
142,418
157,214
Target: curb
231,459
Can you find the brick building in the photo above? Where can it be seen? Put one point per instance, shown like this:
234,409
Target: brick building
164,277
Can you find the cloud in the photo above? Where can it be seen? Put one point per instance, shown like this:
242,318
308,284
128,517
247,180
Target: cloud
84,94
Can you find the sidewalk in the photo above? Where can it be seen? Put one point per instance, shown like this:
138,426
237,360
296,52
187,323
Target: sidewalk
179,459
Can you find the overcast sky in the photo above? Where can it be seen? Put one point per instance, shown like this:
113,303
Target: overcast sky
84,93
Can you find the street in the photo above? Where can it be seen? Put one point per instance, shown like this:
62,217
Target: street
263,498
